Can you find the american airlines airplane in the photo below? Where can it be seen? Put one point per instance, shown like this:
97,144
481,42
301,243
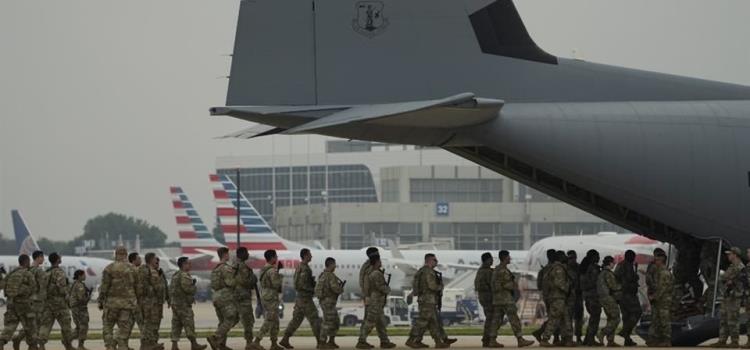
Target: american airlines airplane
466,76
256,235
94,267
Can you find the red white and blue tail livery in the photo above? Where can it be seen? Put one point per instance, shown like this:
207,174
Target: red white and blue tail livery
254,231
195,237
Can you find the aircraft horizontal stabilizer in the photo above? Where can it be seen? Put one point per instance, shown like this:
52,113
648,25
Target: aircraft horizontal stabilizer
451,112
254,131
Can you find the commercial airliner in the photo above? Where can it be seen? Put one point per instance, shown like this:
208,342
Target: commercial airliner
466,76
26,245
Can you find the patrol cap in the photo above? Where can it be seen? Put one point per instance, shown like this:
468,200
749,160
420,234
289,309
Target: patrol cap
121,251
734,250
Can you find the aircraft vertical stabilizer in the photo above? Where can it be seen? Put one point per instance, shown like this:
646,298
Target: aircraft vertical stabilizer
195,238
24,241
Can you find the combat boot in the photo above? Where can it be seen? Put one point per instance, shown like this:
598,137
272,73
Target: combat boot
545,343
611,342
363,345
213,342
174,346
414,344
492,343
449,341
80,345
537,335
68,345
275,345
629,342
524,343
387,345
285,342
40,346
568,343
441,345
256,344
195,346
735,344
16,343
332,342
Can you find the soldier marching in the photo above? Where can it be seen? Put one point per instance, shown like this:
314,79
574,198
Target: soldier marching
131,291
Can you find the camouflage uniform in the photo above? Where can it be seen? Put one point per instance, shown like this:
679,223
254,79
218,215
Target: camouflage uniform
661,308
140,280
556,290
651,288
328,289
182,298
152,302
304,284
730,305
37,303
609,293
483,289
426,288
630,306
117,297
223,283
246,282
56,307
364,271
378,290
503,285
591,297
19,309
270,284
79,300
540,288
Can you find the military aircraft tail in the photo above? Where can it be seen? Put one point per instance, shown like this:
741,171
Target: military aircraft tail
24,241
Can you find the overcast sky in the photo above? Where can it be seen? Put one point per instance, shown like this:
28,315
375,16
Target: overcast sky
103,104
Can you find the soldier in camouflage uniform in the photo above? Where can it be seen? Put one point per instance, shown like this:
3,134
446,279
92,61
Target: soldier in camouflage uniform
79,300
589,276
327,290
304,285
483,289
364,271
503,285
540,288
56,305
557,290
182,298
609,293
37,298
661,305
117,299
19,286
223,283
243,292
270,286
426,288
135,260
626,273
651,277
377,287
575,297
152,303
730,305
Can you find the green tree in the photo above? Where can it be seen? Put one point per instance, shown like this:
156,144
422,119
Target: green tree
7,246
61,247
110,227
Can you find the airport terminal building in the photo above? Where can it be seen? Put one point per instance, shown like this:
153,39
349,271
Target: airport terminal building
357,193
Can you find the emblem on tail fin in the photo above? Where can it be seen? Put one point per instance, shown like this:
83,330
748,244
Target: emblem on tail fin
369,19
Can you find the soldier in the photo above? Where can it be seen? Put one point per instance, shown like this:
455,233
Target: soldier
152,301
56,304
377,286
626,273
730,305
609,293
117,299
327,290
557,290
503,285
661,305
575,297
304,284
483,289
651,278
223,282
364,271
540,288
589,276
19,288
79,300
270,286
246,282
37,298
135,260
426,288
182,298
